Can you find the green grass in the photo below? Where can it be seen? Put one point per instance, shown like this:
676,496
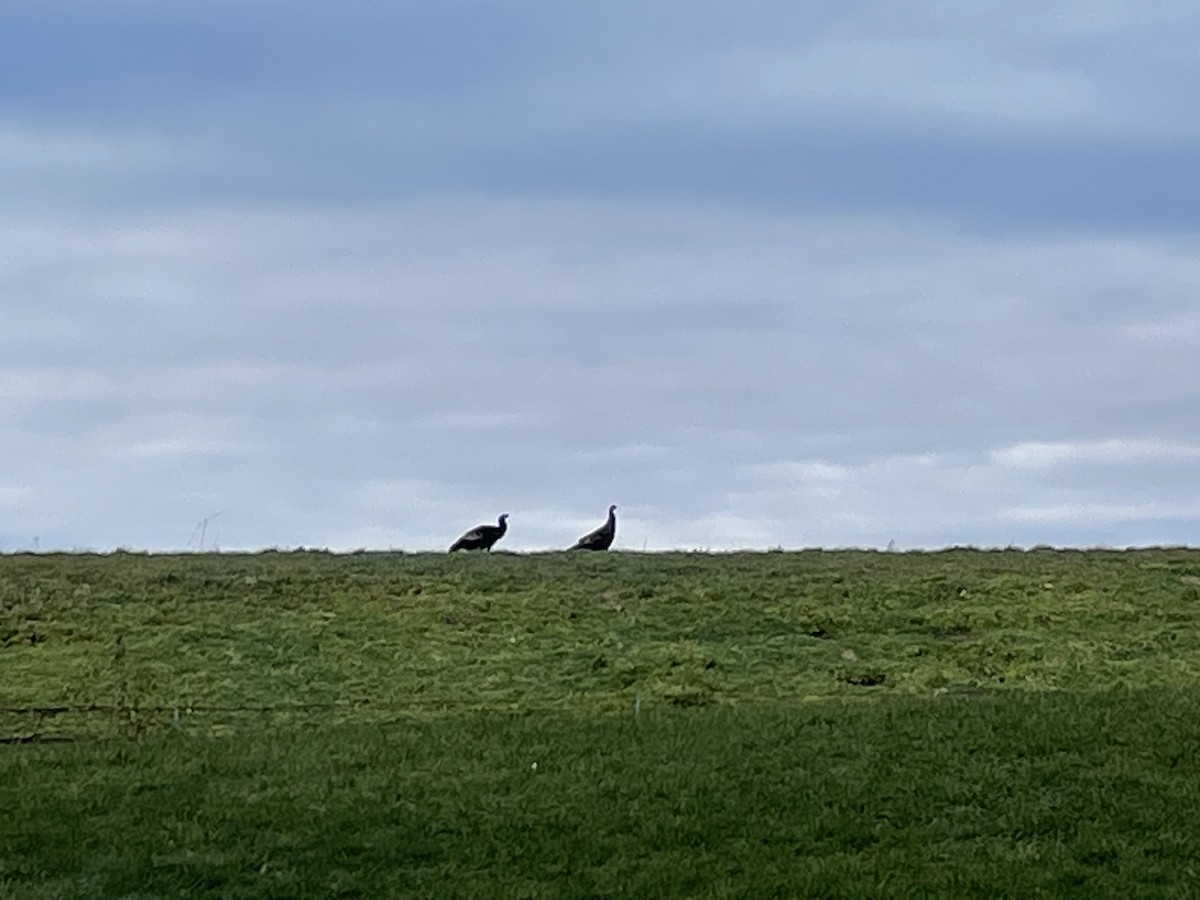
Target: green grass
995,797
853,724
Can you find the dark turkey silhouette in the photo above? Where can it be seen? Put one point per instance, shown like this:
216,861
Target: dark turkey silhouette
602,537
482,537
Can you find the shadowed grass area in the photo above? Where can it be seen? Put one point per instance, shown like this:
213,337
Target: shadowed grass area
854,724
1005,796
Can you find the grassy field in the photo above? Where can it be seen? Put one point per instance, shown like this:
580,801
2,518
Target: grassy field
856,724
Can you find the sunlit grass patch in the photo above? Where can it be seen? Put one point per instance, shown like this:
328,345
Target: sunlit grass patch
439,634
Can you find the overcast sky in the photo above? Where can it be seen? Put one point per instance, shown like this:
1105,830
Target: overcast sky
365,274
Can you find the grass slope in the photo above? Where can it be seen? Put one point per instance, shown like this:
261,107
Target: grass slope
586,633
826,723
1022,795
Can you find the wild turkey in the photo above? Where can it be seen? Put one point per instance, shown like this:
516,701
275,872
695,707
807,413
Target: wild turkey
482,537
602,537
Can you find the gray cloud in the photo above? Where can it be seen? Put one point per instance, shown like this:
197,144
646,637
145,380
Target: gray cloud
1024,116
332,378
773,275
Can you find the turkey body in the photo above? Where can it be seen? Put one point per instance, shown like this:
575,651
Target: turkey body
602,537
482,537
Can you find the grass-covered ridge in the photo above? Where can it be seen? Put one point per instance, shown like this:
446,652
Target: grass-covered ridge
844,724
586,634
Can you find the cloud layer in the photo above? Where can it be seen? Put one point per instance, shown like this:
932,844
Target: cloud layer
780,278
